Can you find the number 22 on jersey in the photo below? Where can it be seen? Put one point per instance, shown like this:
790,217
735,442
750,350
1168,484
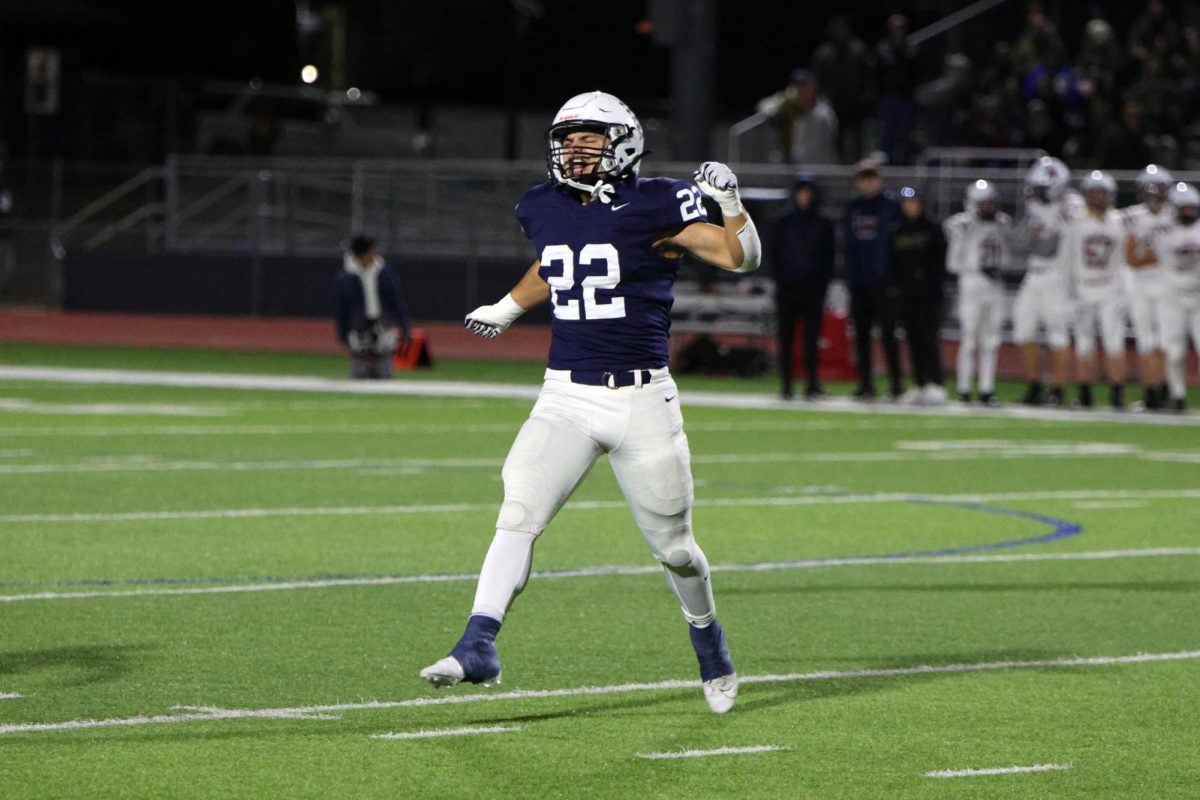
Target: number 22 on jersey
570,308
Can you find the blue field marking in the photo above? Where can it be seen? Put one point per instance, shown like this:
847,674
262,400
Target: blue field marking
1060,529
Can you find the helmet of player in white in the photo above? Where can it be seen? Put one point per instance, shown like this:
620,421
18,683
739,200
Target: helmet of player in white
617,160
1186,202
1154,183
978,193
1047,180
1098,179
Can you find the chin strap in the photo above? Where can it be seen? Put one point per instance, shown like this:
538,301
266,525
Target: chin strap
603,192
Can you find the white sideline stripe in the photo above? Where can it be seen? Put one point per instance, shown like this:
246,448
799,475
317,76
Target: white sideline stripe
592,505
309,712
593,572
10,696
966,773
720,751
448,732
467,389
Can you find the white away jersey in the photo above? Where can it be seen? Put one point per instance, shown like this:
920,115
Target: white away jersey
1179,255
1050,220
1147,228
1095,251
975,245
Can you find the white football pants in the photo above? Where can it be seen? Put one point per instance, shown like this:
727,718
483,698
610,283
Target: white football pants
980,317
641,429
1042,300
1105,314
1180,318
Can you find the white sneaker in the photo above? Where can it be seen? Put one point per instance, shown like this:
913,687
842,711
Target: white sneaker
933,395
721,692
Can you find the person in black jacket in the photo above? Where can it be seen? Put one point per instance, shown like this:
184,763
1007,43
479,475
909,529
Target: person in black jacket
869,221
800,253
369,309
918,264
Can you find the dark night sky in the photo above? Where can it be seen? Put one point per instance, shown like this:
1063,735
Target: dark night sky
444,49
452,51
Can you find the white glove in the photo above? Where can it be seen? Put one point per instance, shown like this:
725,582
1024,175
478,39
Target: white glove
491,321
718,182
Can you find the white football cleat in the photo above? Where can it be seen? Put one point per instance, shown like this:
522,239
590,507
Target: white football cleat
721,692
448,672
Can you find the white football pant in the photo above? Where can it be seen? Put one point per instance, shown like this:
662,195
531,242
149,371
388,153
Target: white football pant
641,429
1180,318
1042,300
1106,315
980,317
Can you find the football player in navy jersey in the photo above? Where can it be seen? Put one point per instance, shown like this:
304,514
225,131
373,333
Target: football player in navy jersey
608,246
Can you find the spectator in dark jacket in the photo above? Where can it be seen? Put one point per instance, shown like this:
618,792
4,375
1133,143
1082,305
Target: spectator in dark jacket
800,253
369,309
869,221
918,263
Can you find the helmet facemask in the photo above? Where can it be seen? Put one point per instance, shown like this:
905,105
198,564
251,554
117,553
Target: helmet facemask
611,163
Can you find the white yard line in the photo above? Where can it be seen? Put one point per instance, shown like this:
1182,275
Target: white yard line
311,712
22,406
596,572
1105,495
432,734
720,751
467,389
1096,505
968,773
140,463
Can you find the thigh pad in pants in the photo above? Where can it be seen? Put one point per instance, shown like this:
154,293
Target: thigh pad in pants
547,461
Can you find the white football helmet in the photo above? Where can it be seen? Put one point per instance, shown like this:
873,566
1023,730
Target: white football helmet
1048,179
617,160
1186,202
1154,183
1098,179
980,192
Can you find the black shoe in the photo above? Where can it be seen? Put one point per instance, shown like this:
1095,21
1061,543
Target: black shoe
1085,395
989,399
1116,397
1056,397
1033,394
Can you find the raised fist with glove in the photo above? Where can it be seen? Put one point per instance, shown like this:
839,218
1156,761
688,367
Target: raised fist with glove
718,182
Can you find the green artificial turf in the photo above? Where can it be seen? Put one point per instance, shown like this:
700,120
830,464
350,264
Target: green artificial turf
254,550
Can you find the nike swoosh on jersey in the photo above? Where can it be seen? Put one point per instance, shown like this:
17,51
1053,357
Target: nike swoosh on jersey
618,208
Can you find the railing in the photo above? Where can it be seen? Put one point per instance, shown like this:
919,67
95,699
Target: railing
444,207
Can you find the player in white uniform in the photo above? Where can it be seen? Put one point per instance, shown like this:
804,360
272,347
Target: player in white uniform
1147,222
1095,245
1179,256
1043,298
978,251
608,246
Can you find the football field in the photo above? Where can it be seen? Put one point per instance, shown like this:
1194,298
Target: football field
213,592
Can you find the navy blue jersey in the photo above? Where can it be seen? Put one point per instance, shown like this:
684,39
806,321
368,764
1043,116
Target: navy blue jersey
610,291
